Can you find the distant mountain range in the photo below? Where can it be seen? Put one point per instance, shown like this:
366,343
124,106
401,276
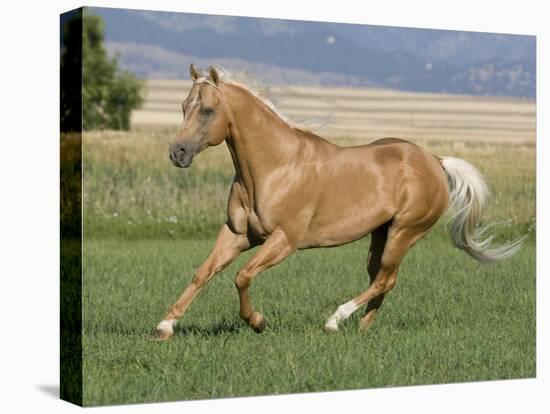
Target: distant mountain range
162,44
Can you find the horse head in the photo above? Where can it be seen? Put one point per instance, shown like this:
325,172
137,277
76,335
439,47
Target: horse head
205,117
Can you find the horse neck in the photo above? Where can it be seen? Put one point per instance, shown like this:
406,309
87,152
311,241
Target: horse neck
260,141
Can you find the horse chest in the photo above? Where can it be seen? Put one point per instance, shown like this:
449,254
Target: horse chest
243,215
256,226
259,210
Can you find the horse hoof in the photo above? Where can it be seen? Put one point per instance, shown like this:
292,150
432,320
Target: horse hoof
162,335
365,323
330,329
331,326
257,322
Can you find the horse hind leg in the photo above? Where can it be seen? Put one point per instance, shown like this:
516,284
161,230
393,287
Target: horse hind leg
376,249
399,240
421,207
378,242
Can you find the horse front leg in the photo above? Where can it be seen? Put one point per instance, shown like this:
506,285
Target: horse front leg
228,246
274,250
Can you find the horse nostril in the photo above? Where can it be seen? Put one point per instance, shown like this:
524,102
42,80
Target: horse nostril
177,150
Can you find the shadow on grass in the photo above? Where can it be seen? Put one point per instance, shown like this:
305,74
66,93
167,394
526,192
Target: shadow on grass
217,329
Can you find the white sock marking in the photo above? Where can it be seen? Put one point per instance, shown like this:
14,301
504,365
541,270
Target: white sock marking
166,325
343,312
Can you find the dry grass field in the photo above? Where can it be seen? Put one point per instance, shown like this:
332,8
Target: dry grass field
365,114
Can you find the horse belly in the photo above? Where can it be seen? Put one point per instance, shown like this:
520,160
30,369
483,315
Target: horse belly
344,226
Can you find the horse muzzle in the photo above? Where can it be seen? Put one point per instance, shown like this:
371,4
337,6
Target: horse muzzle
182,155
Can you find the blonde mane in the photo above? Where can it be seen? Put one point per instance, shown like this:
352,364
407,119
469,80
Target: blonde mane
251,84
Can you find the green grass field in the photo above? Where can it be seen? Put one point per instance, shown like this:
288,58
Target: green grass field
449,319
148,226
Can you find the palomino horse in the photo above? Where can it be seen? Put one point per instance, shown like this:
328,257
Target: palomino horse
295,190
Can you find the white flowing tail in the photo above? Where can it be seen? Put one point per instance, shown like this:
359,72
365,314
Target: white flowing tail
468,193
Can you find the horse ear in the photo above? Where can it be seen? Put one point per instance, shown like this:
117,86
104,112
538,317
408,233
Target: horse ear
214,74
194,72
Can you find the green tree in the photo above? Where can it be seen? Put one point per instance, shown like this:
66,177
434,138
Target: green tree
71,71
108,94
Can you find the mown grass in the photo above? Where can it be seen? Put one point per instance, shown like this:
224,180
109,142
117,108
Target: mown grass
449,319
148,226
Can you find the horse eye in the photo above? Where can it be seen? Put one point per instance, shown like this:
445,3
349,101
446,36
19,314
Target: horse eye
207,111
